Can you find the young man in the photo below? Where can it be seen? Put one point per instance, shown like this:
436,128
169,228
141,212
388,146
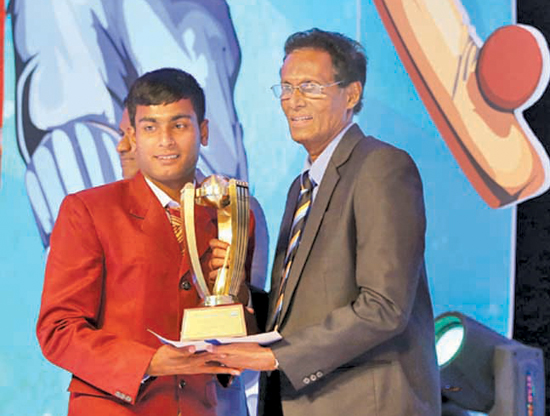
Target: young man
231,399
349,290
116,270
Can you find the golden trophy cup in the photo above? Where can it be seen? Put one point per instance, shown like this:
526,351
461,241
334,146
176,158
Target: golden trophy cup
222,315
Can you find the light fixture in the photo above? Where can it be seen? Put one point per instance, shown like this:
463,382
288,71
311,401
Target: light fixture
483,371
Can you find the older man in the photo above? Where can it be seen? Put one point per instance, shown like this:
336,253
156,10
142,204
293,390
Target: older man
349,289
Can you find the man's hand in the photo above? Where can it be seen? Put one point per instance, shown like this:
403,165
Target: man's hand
219,251
217,261
245,355
169,360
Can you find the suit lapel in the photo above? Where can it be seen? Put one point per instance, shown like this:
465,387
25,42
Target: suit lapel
153,220
145,207
326,188
282,243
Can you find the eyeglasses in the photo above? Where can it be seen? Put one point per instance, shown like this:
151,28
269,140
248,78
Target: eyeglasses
307,89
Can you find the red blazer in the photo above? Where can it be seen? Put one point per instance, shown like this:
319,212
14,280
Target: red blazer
115,270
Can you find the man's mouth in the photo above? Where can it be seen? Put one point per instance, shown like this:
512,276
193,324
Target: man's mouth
298,119
167,157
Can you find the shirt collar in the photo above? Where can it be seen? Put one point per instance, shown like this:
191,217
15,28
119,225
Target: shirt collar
163,197
317,169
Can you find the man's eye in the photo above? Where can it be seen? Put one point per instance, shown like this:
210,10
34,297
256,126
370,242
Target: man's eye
181,126
309,87
149,128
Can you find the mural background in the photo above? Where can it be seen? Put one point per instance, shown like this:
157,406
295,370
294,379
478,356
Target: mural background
532,295
470,247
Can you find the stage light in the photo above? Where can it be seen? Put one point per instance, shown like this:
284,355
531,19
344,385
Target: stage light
483,371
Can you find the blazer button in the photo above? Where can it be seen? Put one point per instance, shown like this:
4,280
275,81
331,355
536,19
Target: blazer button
182,384
185,285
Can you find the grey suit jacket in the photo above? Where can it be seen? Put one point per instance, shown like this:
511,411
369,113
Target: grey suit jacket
357,320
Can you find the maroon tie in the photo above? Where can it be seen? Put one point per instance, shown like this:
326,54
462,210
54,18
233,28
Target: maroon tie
177,225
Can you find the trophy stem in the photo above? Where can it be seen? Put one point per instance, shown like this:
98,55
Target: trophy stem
216,300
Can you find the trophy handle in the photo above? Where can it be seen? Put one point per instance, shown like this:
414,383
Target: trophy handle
233,222
188,207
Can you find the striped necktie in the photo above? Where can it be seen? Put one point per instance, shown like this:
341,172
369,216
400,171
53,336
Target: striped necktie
177,225
300,216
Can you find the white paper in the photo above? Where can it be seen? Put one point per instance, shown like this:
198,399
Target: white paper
263,339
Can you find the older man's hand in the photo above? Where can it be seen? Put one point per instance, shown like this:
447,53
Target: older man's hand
245,355
169,360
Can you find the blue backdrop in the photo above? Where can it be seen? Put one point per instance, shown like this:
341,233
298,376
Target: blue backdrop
470,246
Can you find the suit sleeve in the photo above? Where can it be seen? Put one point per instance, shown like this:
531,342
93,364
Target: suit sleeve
68,328
389,222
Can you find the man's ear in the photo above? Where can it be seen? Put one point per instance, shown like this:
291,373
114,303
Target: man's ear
353,92
204,132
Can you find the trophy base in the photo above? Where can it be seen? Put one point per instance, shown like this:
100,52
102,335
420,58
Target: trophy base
213,322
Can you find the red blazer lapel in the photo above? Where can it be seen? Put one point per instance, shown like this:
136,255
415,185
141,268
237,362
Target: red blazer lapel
145,206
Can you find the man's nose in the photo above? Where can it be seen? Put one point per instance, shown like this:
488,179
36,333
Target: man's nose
124,145
296,98
166,138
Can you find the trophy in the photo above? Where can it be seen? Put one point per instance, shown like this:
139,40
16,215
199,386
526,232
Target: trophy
221,315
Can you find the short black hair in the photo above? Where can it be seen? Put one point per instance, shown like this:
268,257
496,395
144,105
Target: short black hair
165,86
348,56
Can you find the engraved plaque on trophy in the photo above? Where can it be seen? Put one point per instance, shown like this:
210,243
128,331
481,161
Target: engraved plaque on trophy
222,315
